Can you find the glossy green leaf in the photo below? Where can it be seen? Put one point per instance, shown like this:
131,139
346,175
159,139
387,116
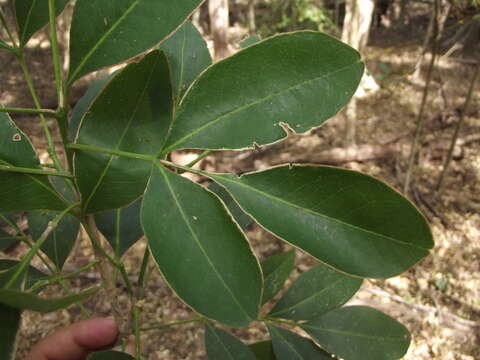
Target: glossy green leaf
132,114
238,214
21,192
300,79
61,241
358,333
200,250
27,301
107,32
121,227
32,15
316,292
263,350
110,355
9,326
188,56
290,346
82,106
223,346
252,39
64,188
6,240
29,277
276,270
346,219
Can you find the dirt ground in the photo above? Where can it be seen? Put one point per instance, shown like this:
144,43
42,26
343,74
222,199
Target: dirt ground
438,299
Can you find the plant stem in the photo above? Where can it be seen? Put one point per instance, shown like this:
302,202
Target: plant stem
136,328
51,145
9,33
184,168
459,125
199,158
38,244
120,153
28,111
9,168
426,90
55,53
13,225
141,277
181,322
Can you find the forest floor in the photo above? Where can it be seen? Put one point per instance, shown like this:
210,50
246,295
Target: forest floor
438,299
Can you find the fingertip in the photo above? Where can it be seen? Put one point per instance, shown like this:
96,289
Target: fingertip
96,333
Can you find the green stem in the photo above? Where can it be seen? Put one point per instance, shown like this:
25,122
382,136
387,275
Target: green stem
184,168
38,244
136,328
181,322
55,53
120,153
13,225
51,145
141,277
61,277
199,158
9,168
116,264
7,28
28,111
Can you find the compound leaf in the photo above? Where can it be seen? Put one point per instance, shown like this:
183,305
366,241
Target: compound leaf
62,239
358,333
121,227
300,79
188,56
107,32
276,270
32,15
9,327
290,346
316,292
348,220
223,346
27,301
22,192
133,114
194,243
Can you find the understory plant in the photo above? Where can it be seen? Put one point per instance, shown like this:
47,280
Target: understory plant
112,175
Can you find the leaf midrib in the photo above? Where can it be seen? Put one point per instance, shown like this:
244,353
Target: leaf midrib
357,335
253,103
221,343
290,346
199,244
103,39
326,217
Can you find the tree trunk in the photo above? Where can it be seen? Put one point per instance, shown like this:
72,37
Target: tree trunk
252,26
219,23
356,29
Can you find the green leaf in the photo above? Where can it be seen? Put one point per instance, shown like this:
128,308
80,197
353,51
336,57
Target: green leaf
32,15
110,355
6,240
300,79
121,227
263,350
358,333
252,39
223,346
200,250
188,56
9,327
316,292
107,32
133,114
276,270
26,301
290,346
348,220
29,277
61,241
238,214
22,192
82,106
